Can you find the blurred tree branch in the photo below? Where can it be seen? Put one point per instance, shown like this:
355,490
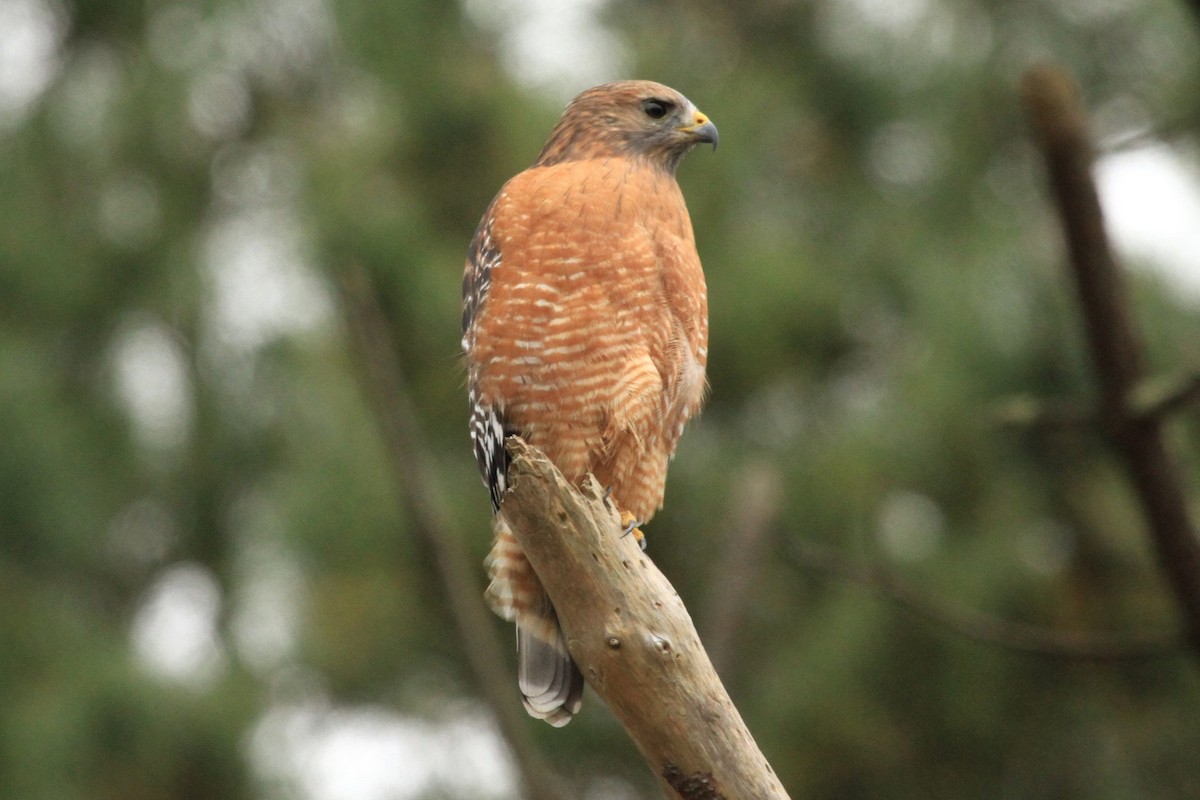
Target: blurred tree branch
1027,411
1059,121
1157,398
980,627
399,424
1194,5
632,637
757,494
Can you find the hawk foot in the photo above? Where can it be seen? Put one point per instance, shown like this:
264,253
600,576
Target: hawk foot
629,525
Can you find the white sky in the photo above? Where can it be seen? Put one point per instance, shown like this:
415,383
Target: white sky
318,752
557,46
29,40
1151,200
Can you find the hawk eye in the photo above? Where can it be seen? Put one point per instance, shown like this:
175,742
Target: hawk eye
656,109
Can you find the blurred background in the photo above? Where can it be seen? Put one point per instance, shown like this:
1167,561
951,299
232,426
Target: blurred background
210,584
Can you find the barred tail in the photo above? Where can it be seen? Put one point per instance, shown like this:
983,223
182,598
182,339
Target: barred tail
551,684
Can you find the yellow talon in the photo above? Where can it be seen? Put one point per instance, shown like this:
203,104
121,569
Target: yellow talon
629,524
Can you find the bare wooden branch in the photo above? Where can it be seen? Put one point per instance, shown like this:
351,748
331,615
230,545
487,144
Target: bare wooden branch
632,637
398,422
1052,101
985,628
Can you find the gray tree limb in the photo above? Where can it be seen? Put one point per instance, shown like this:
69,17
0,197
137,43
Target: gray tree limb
632,637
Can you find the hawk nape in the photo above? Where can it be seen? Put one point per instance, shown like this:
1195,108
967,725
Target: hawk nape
585,328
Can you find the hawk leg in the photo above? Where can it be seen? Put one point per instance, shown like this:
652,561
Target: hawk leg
629,525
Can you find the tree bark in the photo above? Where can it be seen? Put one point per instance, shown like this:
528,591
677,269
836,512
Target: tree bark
632,637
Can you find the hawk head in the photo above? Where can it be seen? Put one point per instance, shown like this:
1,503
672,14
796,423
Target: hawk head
639,119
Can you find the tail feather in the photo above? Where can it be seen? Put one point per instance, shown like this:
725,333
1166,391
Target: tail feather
550,682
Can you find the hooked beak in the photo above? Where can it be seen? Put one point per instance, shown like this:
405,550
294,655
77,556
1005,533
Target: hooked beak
702,130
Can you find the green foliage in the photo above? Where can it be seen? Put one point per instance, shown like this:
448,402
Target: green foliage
177,386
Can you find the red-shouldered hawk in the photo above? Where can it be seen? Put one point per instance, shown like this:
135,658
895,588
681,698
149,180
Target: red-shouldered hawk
585,328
